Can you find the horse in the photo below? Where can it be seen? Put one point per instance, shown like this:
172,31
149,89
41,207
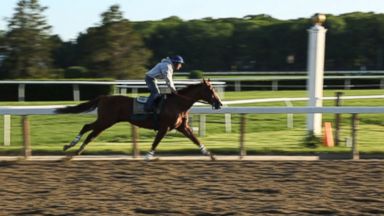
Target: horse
173,114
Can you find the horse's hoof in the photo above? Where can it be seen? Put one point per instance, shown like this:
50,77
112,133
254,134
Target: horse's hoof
67,157
66,147
151,159
212,157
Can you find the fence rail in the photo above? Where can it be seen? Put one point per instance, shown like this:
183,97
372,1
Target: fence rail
258,73
50,110
121,85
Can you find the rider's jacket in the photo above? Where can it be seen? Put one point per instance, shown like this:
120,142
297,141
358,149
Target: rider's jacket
163,70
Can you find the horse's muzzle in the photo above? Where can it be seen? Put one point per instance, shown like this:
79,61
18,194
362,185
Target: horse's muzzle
217,105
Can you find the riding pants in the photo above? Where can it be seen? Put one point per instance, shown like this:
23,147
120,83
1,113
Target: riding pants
154,90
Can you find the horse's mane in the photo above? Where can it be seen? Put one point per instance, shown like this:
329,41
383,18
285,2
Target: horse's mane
188,88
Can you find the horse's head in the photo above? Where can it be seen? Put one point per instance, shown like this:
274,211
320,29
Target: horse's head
210,95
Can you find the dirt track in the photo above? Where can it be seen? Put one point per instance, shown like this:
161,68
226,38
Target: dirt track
192,188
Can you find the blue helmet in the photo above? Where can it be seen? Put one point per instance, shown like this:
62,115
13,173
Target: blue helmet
177,59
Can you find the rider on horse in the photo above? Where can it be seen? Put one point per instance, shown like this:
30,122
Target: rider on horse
163,70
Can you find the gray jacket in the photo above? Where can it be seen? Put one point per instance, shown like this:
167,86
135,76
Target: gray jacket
163,70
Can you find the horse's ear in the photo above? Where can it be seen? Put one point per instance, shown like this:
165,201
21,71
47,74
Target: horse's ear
204,81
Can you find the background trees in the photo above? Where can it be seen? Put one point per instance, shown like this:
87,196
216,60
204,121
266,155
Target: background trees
112,49
121,49
26,47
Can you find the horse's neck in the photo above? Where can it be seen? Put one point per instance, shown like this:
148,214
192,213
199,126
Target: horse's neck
193,94
189,98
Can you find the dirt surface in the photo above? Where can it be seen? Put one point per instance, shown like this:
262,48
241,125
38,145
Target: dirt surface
192,188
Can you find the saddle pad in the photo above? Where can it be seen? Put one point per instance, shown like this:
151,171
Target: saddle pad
142,99
138,107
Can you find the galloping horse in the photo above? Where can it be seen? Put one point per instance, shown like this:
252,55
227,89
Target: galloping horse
173,115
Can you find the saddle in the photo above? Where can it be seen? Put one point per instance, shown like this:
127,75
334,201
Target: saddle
138,105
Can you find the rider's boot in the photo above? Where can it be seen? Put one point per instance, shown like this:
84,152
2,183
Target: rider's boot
148,107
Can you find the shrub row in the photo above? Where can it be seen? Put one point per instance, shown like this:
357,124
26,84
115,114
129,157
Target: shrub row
52,92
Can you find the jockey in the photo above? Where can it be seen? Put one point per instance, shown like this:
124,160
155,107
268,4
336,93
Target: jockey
163,70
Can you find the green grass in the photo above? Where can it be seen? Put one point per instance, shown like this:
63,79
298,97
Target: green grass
265,133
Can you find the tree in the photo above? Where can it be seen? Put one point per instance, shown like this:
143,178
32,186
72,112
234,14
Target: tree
28,47
113,49
2,43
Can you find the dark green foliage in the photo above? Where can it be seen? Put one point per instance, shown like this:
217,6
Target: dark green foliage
54,92
120,49
27,44
311,140
196,74
262,43
8,92
76,72
112,49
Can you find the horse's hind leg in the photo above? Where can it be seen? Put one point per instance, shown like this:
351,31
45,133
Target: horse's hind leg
89,138
98,128
84,130
160,134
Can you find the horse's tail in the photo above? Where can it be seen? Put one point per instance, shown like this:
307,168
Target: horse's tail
83,107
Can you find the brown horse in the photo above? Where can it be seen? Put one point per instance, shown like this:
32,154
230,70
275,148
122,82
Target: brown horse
173,115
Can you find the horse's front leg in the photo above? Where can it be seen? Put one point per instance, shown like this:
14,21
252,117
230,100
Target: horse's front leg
187,131
159,136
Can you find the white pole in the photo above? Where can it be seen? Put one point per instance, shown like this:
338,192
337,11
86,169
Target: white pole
76,92
135,92
7,130
228,123
202,125
316,49
21,92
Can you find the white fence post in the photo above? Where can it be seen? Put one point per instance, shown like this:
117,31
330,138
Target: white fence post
135,92
228,123
202,125
76,92
7,130
237,85
289,115
316,48
275,85
21,92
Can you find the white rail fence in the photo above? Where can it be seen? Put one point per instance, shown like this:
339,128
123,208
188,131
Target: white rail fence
287,102
121,86
24,111
273,81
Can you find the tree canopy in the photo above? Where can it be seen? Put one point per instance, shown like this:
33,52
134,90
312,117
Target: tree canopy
112,49
26,46
123,49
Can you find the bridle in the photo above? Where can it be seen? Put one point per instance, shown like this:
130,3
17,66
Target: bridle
214,103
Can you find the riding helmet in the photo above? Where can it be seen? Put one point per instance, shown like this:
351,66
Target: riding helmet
177,59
